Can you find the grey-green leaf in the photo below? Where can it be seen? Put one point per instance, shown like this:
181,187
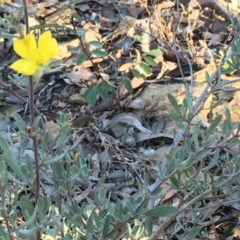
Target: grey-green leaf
174,102
11,160
162,211
95,43
28,211
81,58
213,126
19,122
149,225
102,92
155,52
145,68
193,233
150,61
56,159
99,53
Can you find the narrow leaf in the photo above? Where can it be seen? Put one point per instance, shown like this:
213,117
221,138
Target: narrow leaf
11,160
149,225
56,159
28,212
55,63
106,225
213,126
90,223
162,211
30,168
170,167
19,122
3,174
36,122
174,102
175,182
193,233
155,52
20,13
214,160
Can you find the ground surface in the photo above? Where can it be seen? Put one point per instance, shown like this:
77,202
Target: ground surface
137,126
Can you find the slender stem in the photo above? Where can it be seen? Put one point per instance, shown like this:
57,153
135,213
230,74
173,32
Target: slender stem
26,16
35,146
4,213
32,116
86,52
31,99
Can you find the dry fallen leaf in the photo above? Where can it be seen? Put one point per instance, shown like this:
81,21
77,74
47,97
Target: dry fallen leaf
128,118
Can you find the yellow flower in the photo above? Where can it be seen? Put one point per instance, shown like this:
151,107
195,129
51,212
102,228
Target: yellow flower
35,55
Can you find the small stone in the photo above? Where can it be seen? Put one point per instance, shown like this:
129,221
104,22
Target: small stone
62,105
55,103
77,98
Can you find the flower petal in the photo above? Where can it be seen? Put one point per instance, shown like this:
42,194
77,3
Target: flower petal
24,66
26,47
47,47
